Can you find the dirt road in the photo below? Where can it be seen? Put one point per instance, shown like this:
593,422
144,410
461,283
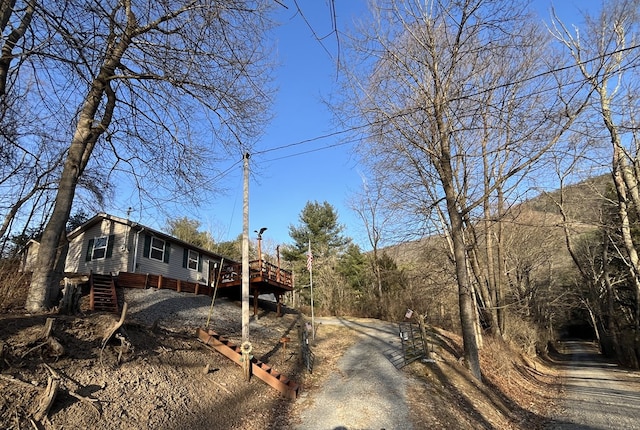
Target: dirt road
367,392
599,394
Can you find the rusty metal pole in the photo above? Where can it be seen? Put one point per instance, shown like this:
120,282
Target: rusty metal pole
246,344
260,250
278,259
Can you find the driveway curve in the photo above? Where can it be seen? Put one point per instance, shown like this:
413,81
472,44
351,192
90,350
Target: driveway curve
598,393
367,391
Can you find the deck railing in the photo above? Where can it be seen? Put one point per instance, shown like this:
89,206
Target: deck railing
258,269
146,280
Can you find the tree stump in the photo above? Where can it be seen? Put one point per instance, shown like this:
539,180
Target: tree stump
70,303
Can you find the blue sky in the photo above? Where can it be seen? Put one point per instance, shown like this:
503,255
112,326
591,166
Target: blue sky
283,181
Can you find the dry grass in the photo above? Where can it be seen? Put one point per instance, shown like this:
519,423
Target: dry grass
516,393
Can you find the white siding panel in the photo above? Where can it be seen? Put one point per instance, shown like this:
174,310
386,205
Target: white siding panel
150,265
174,268
76,258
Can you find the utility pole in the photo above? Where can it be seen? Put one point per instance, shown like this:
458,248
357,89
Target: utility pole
245,348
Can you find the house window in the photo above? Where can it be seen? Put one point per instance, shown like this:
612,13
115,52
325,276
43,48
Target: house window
193,260
100,247
157,249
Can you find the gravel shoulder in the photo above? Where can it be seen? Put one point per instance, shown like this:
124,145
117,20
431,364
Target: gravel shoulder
598,394
367,391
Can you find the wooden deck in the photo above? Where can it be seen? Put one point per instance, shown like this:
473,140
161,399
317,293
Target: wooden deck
264,278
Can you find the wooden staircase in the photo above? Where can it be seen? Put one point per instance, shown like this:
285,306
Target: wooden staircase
103,293
262,370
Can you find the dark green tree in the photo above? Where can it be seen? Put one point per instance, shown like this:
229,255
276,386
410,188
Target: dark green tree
352,266
318,224
189,230
77,219
392,276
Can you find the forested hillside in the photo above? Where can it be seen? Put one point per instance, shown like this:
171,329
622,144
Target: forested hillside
548,296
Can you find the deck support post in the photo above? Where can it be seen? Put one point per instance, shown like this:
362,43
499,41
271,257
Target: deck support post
255,302
278,305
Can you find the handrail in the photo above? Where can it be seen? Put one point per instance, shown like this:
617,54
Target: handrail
258,268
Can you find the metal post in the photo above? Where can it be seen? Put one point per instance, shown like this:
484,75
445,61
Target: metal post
278,259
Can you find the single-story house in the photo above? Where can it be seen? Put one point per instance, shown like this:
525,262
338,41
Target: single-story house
140,257
107,244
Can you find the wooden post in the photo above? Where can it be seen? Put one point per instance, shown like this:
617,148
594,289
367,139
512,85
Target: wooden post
246,344
91,294
423,332
245,350
255,302
178,286
159,281
278,260
278,305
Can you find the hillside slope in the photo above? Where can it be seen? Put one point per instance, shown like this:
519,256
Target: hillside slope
169,380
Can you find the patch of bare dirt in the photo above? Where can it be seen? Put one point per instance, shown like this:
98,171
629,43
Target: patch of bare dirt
167,379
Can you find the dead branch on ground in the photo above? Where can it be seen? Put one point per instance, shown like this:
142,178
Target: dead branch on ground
112,331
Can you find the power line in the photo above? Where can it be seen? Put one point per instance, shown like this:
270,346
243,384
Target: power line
314,150
631,65
312,139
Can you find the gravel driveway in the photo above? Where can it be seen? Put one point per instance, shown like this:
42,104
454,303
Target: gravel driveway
599,394
367,392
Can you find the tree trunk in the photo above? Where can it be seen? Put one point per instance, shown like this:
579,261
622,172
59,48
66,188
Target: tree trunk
499,272
94,119
46,280
611,323
485,290
465,291
467,314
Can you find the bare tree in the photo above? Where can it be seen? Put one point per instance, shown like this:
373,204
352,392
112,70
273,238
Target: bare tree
13,26
605,55
151,89
460,111
28,160
370,207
